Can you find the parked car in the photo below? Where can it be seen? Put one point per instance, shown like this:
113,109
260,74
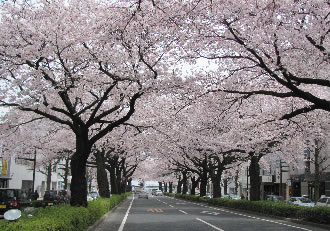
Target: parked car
92,196
235,197
143,194
323,201
52,197
13,199
158,193
303,201
275,198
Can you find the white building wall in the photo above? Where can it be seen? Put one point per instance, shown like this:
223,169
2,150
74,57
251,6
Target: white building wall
20,172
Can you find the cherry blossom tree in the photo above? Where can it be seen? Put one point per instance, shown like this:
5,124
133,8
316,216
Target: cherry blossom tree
82,64
272,48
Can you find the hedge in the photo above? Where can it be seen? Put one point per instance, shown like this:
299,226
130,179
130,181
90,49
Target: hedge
281,209
63,217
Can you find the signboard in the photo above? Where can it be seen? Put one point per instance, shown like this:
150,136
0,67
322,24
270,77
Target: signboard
4,167
268,179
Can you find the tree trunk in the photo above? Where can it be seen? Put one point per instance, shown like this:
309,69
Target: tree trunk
49,176
118,180
165,186
129,185
216,186
160,185
184,183
236,182
179,185
113,183
79,181
203,185
194,183
254,170
78,169
225,186
102,177
66,172
317,170
170,187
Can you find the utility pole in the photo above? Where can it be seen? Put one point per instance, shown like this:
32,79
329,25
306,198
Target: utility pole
281,174
247,183
34,159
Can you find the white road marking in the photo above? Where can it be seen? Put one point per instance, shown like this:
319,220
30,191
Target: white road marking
126,215
214,227
171,206
243,215
210,213
183,211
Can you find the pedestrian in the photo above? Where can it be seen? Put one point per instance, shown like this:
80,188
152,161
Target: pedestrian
36,195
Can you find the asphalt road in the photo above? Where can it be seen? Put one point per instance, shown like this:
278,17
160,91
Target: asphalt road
170,214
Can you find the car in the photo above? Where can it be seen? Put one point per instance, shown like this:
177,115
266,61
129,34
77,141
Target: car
158,193
53,197
302,201
323,201
153,191
92,196
235,197
13,199
143,194
275,198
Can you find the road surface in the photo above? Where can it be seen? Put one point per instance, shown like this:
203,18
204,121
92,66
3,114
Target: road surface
171,214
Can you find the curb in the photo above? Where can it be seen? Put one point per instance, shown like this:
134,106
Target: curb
99,221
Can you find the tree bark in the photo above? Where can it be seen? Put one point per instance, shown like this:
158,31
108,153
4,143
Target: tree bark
79,181
317,174
49,176
113,183
203,185
225,186
160,185
254,170
203,178
236,182
216,186
170,187
165,186
194,183
102,177
184,183
66,172
179,185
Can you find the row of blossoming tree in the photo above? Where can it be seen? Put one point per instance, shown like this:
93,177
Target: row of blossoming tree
200,86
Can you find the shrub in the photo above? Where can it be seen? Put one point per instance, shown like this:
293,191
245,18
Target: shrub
282,209
315,214
63,217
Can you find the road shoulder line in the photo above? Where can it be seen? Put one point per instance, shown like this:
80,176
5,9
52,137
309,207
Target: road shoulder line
126,215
